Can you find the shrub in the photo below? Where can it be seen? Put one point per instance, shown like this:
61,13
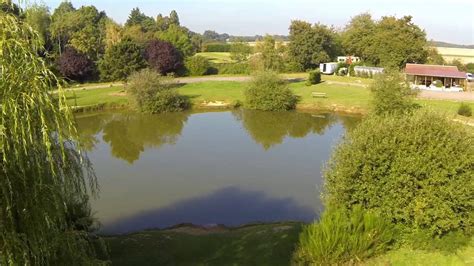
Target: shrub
415,169
216,47
197,65
154,93
121,60
75,65
391,94
163,57
465,110
343,236
314,77
438,83
268,92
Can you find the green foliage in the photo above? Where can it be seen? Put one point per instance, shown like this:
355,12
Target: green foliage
470,68
268,92
154,93
438,83
391,94
230,68
179,37
197,65
137,18
311,45
216,47
42,166
390,42
424,240
38,17
415,169
240,51
343,236
121,60
434,58
465,110
269,55
458,64
314,77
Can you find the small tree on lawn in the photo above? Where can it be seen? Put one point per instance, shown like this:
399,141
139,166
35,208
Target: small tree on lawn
163,57
75,66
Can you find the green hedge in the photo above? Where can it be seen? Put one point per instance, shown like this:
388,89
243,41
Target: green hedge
415,169
216,47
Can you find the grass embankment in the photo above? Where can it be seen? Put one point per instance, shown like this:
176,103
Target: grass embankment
264,244
340,97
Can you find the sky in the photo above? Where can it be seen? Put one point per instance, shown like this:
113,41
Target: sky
443,20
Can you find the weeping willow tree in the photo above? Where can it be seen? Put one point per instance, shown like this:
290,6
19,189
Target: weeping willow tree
44,177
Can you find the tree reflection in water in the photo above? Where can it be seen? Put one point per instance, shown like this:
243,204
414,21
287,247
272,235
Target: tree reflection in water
128,134
271,128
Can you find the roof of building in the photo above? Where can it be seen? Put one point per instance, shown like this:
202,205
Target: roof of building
434,71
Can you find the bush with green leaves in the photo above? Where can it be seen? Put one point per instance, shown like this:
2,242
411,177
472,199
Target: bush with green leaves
197,65
392,94
153,93
465,110
268,92
314,77
344,236
415,169
121,60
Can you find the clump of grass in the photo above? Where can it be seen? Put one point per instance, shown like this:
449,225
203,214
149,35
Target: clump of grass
344,236
465,110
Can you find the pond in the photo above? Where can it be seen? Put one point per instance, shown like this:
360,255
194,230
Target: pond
229,167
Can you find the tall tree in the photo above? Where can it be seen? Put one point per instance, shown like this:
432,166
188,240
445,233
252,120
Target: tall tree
311,45
356,38
38,17
89,31
42,170
113,33
270,56
390,42
121,60
179,37
174,19
62,24
136,17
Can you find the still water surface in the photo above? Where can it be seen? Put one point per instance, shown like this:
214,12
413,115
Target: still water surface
230,168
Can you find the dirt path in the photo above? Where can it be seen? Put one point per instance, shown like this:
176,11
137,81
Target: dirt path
453,96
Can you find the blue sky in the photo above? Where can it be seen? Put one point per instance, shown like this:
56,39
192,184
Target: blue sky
443,20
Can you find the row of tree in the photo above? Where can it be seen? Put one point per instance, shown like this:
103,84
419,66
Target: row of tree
84,43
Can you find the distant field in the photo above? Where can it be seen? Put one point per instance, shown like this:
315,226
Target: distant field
465,55
216,57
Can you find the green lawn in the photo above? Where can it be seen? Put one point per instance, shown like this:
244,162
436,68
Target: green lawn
339,97
217,57
93,97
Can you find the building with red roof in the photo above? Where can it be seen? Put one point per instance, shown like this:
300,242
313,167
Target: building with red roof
435,75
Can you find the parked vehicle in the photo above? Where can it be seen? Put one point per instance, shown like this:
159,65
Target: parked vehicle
469,77
328,68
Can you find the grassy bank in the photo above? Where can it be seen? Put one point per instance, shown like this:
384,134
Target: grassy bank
340,97
263,244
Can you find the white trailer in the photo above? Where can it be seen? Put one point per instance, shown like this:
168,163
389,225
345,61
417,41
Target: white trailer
328,68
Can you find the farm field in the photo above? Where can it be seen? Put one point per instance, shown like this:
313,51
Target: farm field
465,55
217,57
